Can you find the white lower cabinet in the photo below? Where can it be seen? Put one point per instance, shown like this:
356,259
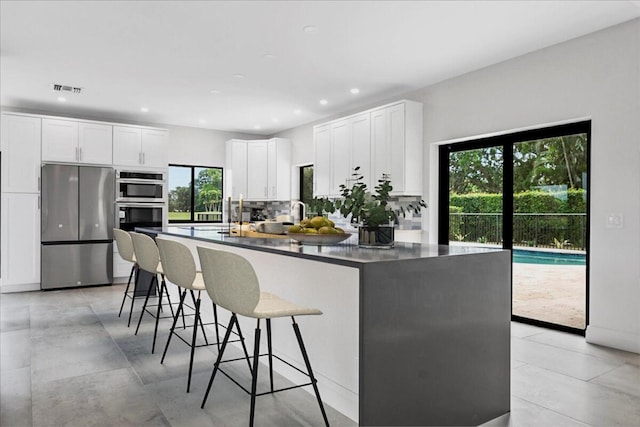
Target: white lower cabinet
121,267
20,241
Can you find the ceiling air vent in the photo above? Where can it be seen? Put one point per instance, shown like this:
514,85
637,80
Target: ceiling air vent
65,88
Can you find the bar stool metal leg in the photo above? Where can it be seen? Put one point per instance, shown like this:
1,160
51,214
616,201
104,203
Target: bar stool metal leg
193,340
144,306
133,299
270,353
314,382
173,327
254,374
220,353
126,291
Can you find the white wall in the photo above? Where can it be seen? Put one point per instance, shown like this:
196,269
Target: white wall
595,76
200,147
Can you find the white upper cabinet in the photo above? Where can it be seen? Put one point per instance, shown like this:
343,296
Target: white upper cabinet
340,155
71,141
95,143
20,146
236,168
139,147
384,140
155,147
322,161
361,147
279,169
259,170
396,135
257,174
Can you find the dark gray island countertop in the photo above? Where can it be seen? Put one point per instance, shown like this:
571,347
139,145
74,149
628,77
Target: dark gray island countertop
414,335
347,254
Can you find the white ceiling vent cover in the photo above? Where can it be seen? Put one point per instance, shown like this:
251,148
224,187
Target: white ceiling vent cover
64,88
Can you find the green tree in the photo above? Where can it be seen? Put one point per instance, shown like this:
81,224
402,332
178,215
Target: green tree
208,189
180,199
476,171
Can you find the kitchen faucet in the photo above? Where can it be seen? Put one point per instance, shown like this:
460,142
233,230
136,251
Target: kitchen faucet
293,206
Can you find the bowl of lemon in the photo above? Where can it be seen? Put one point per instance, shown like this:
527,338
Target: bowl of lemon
317,231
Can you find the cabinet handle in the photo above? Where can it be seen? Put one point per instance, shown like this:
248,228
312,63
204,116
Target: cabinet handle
143,158
39,202
265,192
39,183
80,155
76,154
140,157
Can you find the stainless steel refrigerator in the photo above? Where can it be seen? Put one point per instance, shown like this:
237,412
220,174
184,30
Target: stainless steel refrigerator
77,226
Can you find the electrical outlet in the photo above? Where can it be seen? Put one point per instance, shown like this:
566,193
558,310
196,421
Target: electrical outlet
615,220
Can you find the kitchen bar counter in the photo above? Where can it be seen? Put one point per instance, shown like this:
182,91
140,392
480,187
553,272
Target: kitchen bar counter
414,335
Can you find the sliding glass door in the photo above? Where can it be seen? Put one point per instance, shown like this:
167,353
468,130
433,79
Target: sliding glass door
526,192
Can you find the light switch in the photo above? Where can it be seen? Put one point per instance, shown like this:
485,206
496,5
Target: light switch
615,220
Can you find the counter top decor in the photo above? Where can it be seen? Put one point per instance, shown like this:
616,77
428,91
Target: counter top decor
371,211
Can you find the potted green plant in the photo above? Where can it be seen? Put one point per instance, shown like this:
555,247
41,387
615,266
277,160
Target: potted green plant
371,211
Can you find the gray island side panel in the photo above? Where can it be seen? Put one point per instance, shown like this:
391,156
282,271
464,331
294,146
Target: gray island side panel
435,340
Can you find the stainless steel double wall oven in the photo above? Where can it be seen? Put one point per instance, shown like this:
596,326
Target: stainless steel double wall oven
140,199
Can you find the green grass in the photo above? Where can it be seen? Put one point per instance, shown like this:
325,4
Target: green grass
179,216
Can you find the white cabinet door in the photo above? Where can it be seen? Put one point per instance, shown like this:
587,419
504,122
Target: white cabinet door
340,156
322,161
237,168
20,239
95,143
127,146
279,169
257,170
396,149
155,144
60,141
381,158
361,148
20,146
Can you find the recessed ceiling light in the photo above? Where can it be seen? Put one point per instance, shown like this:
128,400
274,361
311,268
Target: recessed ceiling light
239,76
269,56
256,127
323,102
355,91
310,29
144,109
214,91
62,99
297,112
275,120
202,121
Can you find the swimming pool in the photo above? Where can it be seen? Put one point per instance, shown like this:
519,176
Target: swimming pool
544,257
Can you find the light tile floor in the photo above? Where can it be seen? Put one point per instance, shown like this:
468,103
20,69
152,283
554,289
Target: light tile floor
67,359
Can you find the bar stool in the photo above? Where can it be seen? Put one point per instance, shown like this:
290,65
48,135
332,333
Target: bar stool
231,282
148,257
180,269
125,249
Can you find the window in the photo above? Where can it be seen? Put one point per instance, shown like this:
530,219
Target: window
195,194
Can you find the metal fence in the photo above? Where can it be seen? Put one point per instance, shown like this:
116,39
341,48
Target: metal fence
538,230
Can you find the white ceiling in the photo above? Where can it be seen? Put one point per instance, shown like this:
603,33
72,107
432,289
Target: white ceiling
169,55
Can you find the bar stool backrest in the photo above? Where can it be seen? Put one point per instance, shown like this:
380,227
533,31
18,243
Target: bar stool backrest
230,280
146,252
178,264
124,244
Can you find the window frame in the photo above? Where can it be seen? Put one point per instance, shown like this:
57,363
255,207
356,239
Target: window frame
193,191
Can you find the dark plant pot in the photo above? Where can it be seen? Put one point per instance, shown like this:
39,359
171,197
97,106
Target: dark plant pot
378,237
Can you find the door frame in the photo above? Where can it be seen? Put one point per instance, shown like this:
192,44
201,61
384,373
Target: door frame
507,141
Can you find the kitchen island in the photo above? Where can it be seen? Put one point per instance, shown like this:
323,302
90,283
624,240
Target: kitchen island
414,335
